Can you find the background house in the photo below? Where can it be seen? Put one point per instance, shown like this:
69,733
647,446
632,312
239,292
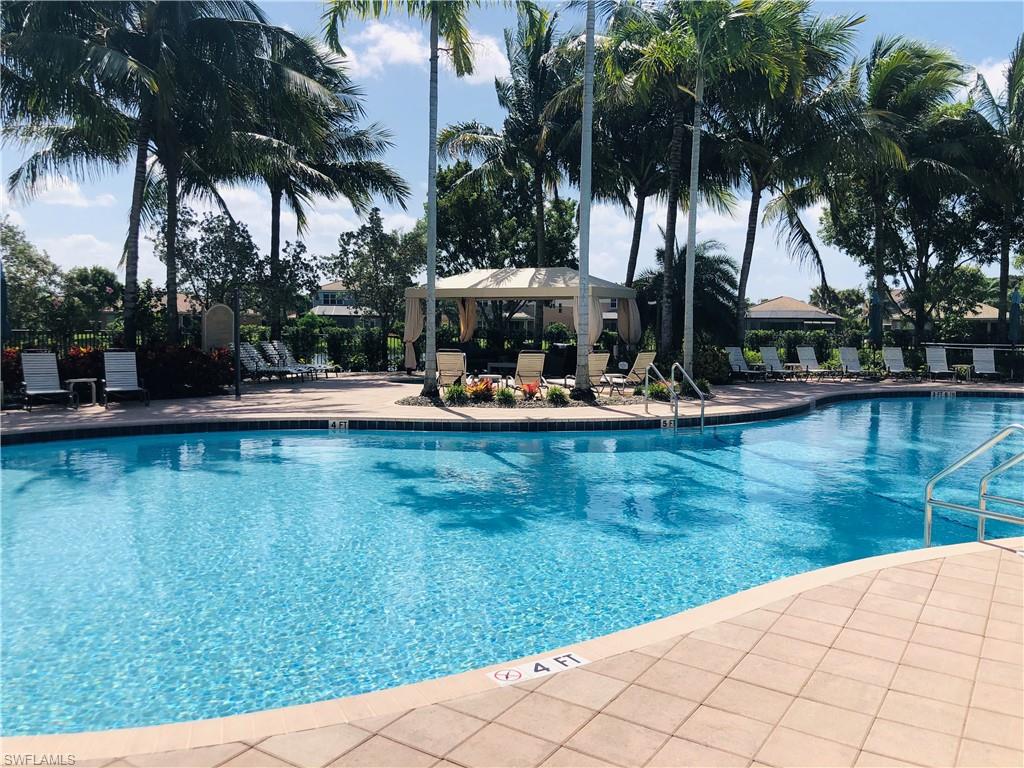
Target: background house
335,302
784,313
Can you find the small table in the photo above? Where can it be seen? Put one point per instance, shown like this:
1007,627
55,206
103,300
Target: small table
495,367
92,387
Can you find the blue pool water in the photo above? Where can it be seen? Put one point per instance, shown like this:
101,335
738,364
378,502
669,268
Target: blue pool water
156,579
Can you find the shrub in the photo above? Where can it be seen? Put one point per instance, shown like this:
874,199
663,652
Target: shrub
10,370
557,333
658,391
81,363
456,395
338,342
506,397
447,335
712,363
702,384
481,391
557,397
753,357
173,371
530,391
254,334
358,362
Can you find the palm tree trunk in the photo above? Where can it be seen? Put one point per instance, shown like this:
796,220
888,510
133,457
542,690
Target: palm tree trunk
879,260
634,246
537,189
430,358
748,253
131,244
675,160
1004,274
171,255
583,297
691,228
275,263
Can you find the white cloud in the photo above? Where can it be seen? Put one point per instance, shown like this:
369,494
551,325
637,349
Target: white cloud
380,46
60,190
81,250
7,209
399,220
994,72
489,60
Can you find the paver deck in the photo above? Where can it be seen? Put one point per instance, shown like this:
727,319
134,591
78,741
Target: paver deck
373,396
915,663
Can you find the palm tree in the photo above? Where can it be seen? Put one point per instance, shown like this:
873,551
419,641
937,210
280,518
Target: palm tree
309,144
779,139
682,48
447,19
586,162
1003,182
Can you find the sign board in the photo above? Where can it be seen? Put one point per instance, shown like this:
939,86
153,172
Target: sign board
538,668
218,327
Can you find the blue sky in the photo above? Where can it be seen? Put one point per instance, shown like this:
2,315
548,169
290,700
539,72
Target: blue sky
82,222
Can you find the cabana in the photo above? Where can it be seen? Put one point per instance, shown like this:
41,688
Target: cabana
545,284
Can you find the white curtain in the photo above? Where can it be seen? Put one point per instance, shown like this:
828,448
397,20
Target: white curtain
467,318
594,321
629,322
413,330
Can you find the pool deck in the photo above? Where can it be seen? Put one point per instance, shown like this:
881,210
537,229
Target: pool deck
912,658
371,398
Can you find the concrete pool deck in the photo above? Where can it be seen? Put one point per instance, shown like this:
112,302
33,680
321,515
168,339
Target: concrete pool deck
912,658
370,398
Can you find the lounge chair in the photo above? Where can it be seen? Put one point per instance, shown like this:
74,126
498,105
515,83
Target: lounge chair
270,352
739,366
893,359
636,374
811,366
121,377
985,362
451,368
42,382
935,357
774,366
597,365
256,367
529,370
851,362
286,357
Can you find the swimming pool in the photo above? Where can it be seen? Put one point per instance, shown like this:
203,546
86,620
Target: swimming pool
156,579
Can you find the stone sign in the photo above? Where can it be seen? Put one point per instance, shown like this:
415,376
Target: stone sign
218,327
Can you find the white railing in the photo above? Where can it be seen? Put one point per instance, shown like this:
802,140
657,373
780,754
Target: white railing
670,384
981,511
693,384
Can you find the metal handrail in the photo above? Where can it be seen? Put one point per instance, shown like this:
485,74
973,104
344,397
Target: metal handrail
693,384
980,510
984,496
671,389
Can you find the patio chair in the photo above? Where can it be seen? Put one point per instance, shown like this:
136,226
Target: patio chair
121,377
256,367
288,358
893,359
597,365
636,374
851,362
529,370
774,366
985,362
451,368
270,352
739,366
42,382
935,357
810,364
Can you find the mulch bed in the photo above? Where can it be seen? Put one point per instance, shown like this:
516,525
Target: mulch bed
437,402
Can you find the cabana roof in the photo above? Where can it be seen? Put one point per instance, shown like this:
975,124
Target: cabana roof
529,284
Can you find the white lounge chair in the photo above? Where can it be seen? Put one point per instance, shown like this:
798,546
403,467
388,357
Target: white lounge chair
121,377
597,364
985,362
636,374
256,367
739,366
529,370
270,352
774,366
451,368
850,359
893,358
288,358
42,382
810,363
935,357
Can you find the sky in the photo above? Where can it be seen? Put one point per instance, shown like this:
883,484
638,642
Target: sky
81,222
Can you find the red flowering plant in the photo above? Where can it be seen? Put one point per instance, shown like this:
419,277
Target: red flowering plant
82,363
10,370
530,391
481,391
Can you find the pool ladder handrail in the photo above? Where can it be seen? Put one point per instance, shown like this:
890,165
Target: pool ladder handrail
673,392
693,385
981,511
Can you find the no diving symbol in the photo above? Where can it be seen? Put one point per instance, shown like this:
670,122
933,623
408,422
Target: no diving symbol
507,675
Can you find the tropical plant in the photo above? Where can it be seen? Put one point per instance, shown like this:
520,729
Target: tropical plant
448,19
557,397
505,397
456,394
1002,181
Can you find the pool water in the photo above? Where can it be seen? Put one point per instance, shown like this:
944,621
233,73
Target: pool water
155,579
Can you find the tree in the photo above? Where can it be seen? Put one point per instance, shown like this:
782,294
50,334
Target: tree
586,168
849,303
378,266
33,280
447,19
1002,180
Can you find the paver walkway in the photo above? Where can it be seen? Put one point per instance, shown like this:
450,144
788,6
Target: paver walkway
917,664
